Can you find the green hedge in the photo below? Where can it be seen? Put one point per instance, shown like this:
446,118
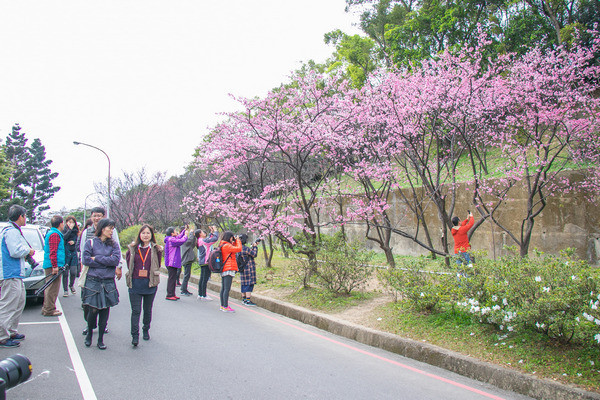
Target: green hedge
556,295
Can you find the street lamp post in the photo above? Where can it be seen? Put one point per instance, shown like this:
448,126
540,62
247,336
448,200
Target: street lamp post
85,205
108,158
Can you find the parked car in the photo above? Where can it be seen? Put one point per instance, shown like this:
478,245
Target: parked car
34,279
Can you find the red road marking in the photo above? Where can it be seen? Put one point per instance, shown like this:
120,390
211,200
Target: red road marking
430,375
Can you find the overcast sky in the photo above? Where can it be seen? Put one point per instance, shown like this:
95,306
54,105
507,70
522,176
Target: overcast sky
144,80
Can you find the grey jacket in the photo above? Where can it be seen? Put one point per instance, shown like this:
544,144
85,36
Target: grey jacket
188,250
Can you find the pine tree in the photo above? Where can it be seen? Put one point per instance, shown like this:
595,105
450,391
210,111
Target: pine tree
40,188
17,155
4,176
30,177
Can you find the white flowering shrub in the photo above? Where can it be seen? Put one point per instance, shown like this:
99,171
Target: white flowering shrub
482,291
550,294
592,316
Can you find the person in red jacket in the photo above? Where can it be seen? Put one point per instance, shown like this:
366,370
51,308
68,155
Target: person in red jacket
230,245
461,239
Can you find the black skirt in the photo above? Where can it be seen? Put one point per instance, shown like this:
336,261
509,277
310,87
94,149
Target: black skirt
100,293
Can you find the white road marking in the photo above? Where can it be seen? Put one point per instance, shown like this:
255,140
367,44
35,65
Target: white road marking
39,323
82,377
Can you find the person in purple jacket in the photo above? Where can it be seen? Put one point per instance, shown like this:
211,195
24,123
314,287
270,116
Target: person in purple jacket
173,242
102,255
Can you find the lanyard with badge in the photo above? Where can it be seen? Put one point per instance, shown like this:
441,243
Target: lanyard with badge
143,273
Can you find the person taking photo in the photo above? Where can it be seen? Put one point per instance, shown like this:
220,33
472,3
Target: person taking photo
460,232
230,245
204,246
15,251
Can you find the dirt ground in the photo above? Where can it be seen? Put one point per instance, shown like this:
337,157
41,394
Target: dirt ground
360,314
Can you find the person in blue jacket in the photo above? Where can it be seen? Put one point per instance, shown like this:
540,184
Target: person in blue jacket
54,258
14,249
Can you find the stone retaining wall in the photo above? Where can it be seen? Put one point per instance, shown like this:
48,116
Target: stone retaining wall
568,220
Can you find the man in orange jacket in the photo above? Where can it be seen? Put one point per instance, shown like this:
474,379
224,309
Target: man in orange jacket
461,239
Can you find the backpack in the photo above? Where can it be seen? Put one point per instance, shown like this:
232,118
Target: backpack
241,261
215,260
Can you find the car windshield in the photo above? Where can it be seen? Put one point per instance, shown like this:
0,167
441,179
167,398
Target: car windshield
33,237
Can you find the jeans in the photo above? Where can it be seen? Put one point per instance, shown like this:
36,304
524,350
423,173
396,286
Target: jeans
225,288
137,302
463,258
203,282
172,280
70,272
187,273
247,288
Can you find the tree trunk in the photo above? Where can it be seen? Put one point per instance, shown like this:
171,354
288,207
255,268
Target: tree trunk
389,256
284,249
526,237
268,255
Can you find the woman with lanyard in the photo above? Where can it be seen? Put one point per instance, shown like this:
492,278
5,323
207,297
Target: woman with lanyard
143,276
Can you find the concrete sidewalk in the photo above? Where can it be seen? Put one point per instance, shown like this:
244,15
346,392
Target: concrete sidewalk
485,372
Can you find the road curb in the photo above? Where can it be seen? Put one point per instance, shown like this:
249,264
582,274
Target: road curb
500,377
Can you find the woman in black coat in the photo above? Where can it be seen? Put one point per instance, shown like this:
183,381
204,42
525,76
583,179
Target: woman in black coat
70,234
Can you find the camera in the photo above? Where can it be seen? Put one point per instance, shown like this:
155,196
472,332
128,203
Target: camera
13,370
31,261
257,241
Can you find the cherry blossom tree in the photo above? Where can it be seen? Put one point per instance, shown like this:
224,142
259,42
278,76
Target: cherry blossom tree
547,112
270,162
317,147
412,133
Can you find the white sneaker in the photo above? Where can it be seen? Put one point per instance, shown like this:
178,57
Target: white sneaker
204,298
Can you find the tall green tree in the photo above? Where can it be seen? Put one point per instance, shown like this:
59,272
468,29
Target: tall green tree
4,177
39,187
413,30
30,176
17,155
566,16
354,53
408,31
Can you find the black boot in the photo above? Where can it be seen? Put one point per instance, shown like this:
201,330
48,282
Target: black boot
135,340
88,338
145,334
101,344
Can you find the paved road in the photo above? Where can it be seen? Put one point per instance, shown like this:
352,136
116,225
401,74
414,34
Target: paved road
198,352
